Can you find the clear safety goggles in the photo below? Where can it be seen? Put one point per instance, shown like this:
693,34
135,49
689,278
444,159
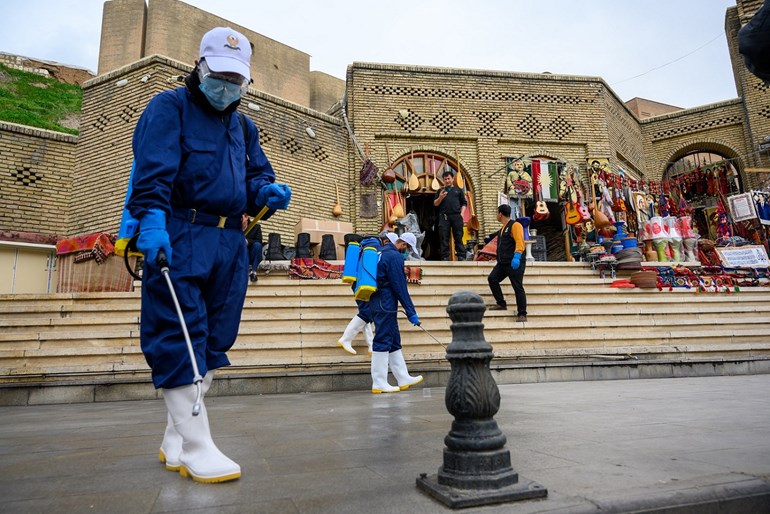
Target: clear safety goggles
232,78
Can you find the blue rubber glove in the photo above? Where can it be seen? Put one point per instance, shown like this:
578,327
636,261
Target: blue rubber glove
153,236
516,261
414,320
274,196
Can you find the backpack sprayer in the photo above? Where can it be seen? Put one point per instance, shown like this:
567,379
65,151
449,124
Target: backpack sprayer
361,269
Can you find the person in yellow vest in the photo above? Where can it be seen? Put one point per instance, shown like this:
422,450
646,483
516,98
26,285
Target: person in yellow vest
510,263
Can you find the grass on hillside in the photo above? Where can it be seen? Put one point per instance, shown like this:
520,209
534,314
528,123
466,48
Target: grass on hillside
31,99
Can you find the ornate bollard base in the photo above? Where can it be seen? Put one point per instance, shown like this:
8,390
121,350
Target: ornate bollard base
477,467
456,498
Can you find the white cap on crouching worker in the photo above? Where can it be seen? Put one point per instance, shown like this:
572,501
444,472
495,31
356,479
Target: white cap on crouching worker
409,239
227,50
392,237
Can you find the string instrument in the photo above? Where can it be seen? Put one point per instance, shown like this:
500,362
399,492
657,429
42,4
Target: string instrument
582,208
388,176
414,182
473,222
337,209
606,203
459,182
600,219
571,213
541,209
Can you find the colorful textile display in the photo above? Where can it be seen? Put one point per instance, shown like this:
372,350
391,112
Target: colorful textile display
96,246
317,269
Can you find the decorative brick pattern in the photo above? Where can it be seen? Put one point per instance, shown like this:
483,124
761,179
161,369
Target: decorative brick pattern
320,154
26,176
531,126
487,120
560,127
36,168
706,124
444,122
411,122
458,94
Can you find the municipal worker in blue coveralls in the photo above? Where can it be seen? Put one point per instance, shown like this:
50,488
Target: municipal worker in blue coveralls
198,169
391,290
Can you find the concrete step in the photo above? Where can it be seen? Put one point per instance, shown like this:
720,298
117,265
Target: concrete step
291,326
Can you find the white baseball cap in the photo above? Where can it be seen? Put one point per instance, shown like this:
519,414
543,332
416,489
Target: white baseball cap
392,237
227,50
409,239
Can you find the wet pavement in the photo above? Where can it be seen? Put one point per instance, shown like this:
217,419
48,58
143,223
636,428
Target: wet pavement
699,444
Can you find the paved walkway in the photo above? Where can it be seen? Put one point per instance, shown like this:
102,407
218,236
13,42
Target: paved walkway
610,446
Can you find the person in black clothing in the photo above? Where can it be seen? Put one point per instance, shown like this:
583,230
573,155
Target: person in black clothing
510,247
450,204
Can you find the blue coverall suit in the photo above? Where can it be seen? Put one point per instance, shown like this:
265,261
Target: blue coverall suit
391,289
191,163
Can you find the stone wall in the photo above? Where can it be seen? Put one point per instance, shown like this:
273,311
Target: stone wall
111,111
486,116
131,31
325,91
717,128
53,70
36,168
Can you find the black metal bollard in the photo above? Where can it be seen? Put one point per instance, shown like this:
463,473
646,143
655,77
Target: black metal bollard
477,466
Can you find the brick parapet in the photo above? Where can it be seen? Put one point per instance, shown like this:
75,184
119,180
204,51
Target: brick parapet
36,168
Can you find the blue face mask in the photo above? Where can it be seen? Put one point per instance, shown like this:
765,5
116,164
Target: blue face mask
220,93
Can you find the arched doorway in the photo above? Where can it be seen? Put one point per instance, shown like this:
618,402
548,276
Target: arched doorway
418,178
703,177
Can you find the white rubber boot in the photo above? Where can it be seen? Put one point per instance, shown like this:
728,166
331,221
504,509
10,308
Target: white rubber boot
398,368
354,327
369,336
380,374
171,447
200,457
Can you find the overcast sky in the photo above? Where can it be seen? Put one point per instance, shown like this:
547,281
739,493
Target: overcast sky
677,46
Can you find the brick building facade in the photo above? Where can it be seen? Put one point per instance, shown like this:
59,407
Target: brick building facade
479,118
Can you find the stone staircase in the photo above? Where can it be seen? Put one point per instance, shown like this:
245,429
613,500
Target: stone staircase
85,346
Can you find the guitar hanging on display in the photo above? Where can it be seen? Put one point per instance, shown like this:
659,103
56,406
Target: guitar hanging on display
600,219
541,209
585,216
571,213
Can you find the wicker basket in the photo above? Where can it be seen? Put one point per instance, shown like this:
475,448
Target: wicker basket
89,276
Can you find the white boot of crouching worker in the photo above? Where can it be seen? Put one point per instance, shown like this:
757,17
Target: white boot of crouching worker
200,458
171,447
369,336
354,327
398,368
380,374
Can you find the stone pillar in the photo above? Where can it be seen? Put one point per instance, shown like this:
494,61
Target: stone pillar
477,466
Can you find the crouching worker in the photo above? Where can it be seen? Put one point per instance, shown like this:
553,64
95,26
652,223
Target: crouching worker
391,290
199,167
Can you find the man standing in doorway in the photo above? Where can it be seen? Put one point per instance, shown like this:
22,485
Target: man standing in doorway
450,204
510,247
